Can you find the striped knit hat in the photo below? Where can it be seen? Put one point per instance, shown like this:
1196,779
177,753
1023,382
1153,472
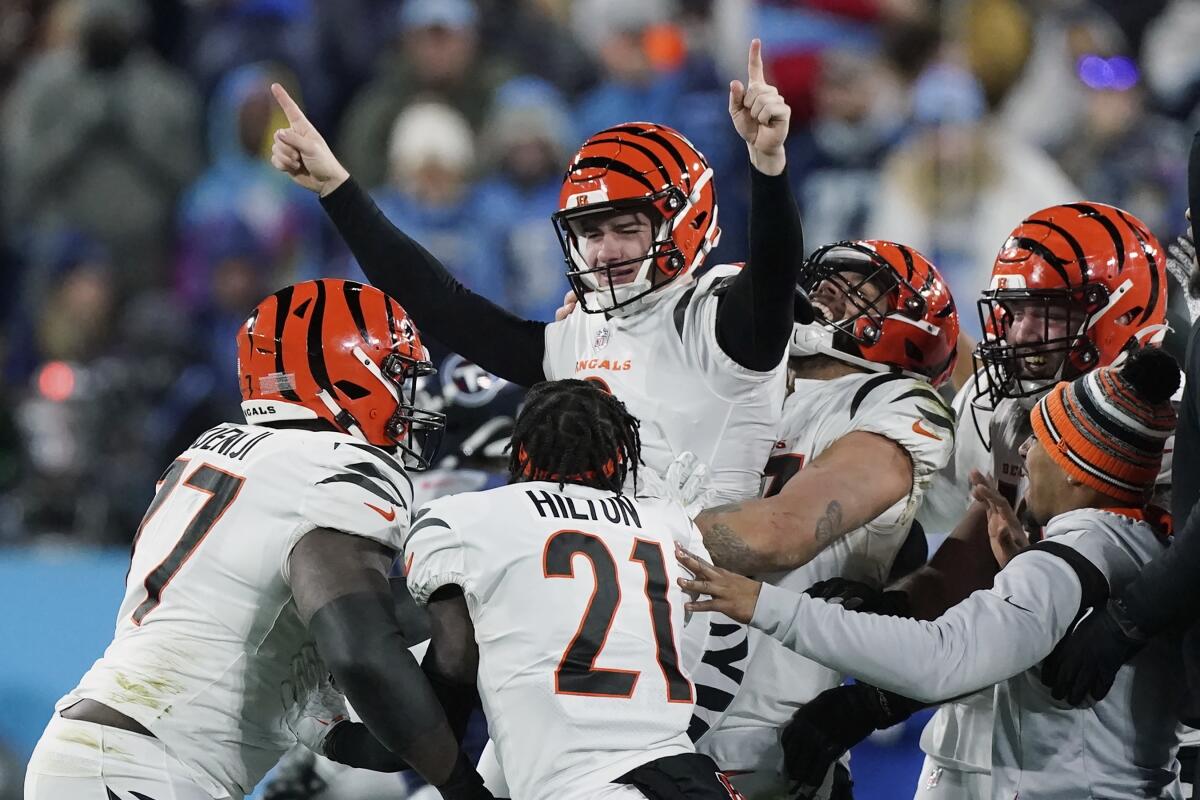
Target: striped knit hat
1107,428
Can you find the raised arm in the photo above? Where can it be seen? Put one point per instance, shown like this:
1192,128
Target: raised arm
467,323
755,317
341,590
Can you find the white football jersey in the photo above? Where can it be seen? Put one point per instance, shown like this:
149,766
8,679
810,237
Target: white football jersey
664,363
578,618
208,628
817,414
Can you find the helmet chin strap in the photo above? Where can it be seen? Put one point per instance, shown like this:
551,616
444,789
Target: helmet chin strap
342,416
815,339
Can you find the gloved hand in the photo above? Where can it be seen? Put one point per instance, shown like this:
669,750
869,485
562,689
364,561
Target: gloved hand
822,730
312,706
686,481
464,783
1085,663
859,596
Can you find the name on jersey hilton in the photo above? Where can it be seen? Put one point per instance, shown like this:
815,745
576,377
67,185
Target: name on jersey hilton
617,510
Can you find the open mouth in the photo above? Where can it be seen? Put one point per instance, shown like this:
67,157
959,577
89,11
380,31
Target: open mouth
821,312
616,276
1036,366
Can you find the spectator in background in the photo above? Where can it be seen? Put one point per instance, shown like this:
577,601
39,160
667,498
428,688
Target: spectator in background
429,194
236,278
527,143
437,58
835,160
241,195
536,38
1123,152
632,86
227,34
959,182
99,126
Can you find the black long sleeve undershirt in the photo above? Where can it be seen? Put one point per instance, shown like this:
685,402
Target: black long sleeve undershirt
465,322
754,319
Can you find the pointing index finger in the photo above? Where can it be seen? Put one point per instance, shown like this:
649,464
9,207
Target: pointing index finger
295,116
755,65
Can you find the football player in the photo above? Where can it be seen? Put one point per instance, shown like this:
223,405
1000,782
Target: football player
1093,459
261,567
1073,288
699,360
864,431
556,593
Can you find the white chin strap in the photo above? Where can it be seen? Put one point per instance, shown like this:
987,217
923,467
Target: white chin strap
816,339
810,340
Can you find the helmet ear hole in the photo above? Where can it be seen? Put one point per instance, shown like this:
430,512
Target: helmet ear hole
351,389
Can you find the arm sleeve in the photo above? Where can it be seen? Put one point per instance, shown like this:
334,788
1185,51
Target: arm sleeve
433,555
465,322
356,489
914,416
989,637
754,321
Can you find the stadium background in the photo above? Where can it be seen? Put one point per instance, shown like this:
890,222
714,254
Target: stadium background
141,221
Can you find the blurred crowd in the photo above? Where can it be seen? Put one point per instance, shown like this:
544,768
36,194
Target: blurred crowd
142,220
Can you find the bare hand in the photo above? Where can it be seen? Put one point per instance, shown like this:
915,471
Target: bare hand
1005,531
570,300
729,593
301,151
760,115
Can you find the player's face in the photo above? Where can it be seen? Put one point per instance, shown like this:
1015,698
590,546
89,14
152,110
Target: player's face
833,304
613,238
1046,481
1034,322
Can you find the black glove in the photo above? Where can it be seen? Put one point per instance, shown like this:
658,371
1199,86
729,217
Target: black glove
1086,661
858,596
464,783
296,777
833,722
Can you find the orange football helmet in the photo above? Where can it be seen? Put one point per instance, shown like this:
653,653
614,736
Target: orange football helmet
638,166
911,327
1100,268
341,352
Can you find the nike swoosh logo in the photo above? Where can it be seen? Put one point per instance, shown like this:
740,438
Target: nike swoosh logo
1014,605
921,429
389,515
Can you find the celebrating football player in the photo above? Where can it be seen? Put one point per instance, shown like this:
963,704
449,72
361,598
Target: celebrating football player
699,360
1093,458
1075,287
864,431
591,695
260,568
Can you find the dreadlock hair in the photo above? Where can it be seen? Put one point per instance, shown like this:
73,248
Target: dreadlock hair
573,431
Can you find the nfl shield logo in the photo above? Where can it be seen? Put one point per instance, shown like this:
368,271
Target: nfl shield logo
601,340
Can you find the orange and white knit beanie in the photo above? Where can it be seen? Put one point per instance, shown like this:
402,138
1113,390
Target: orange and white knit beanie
1107,428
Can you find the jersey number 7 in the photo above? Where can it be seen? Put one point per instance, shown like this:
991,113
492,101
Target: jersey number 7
577,672
222,489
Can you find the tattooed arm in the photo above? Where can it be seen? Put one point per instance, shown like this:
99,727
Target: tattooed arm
855,480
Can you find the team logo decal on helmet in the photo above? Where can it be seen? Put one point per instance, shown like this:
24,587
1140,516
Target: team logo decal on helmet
1093,280
879,305
637,167
342,352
